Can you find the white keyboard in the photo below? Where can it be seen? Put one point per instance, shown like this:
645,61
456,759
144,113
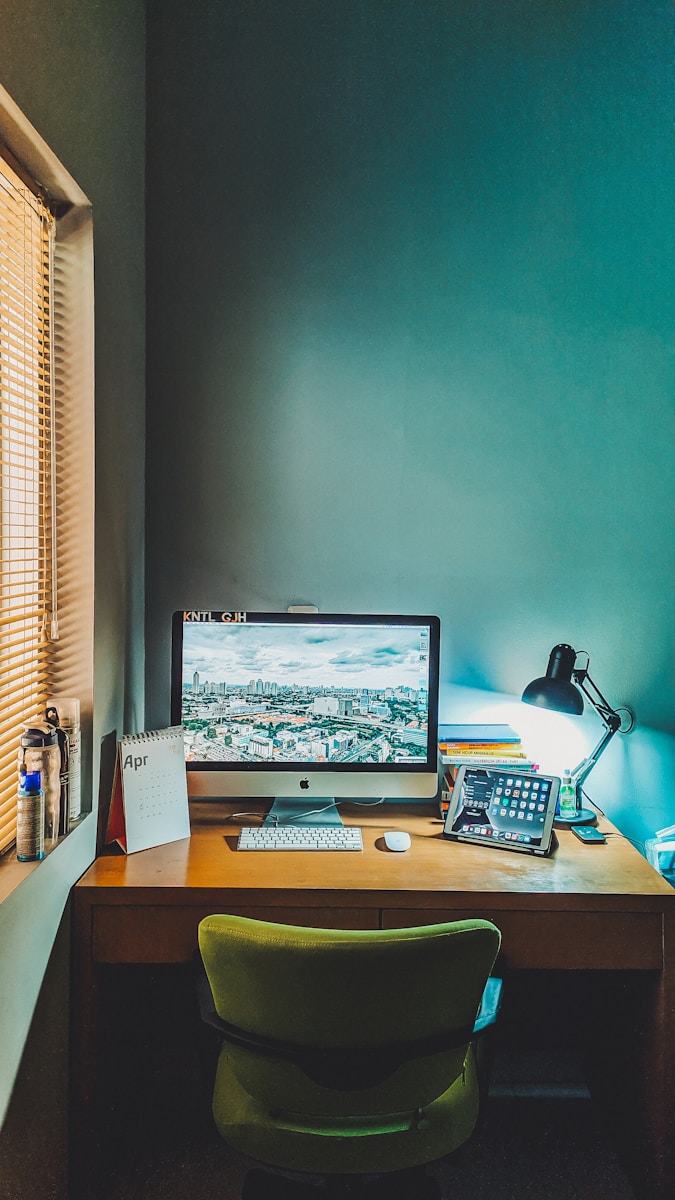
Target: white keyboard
301,837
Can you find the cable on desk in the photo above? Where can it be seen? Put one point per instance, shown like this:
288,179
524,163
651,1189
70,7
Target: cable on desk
312,812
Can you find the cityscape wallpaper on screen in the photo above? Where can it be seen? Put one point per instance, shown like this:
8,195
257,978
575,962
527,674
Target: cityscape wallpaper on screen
258,693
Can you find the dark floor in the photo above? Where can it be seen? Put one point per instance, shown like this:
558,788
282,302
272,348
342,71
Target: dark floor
539,1137
527,1150
534,1142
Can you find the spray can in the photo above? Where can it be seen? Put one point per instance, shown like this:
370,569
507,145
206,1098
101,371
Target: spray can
39,751
63,713
64,770
30,818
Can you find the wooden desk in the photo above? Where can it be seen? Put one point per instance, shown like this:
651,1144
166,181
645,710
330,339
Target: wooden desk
594,909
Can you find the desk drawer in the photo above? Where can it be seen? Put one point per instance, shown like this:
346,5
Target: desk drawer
168,934
574,941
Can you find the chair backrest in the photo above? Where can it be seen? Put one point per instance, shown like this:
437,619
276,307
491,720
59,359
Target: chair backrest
400,992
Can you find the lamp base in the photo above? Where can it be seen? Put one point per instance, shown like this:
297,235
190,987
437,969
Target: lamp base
583,816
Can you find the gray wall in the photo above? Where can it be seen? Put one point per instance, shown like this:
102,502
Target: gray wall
77,69
410,315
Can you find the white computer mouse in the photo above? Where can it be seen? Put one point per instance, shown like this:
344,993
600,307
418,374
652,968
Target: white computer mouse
396,839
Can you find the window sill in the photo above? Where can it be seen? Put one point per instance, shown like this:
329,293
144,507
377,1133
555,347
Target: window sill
13,873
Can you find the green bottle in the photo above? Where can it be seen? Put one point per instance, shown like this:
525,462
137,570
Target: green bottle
568,797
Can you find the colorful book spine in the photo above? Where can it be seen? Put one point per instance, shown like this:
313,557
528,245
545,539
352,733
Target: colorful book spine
477,733
512,749
470,753
519,762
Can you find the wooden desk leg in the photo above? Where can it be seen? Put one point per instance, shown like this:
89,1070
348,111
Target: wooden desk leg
658,1054
633,1070
85,1038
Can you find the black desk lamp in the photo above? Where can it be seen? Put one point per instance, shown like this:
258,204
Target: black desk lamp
557,691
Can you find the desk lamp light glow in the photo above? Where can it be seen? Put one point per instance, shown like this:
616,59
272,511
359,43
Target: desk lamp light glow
555,690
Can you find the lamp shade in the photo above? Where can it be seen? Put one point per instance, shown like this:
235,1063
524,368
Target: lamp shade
555,689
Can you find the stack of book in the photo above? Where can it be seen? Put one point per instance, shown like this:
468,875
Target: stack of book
478,746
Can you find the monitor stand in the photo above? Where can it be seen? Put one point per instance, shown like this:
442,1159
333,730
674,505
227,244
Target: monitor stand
295,810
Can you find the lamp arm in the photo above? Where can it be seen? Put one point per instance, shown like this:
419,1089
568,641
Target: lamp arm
609,716
586,765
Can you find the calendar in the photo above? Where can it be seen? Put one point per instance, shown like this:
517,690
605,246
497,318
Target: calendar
149,804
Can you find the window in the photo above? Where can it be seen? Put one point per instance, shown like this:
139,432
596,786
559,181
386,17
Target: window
46,444
28,618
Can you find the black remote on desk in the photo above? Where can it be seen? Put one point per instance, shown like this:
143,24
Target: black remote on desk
588,835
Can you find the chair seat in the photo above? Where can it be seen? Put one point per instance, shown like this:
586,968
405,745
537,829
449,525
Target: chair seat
342,1147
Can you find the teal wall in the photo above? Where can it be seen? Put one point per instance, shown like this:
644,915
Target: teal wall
77,70
410,314
409,346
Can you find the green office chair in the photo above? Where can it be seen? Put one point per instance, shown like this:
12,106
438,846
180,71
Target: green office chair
347,1054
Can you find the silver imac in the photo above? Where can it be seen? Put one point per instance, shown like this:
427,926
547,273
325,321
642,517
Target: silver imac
307,707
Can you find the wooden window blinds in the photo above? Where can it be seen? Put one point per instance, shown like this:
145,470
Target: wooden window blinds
28,617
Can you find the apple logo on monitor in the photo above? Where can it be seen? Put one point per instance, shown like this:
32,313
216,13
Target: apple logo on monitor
304,784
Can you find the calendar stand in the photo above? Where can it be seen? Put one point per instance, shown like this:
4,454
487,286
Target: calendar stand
149,804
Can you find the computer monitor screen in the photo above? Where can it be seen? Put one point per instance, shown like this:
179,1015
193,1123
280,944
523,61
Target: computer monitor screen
307,705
